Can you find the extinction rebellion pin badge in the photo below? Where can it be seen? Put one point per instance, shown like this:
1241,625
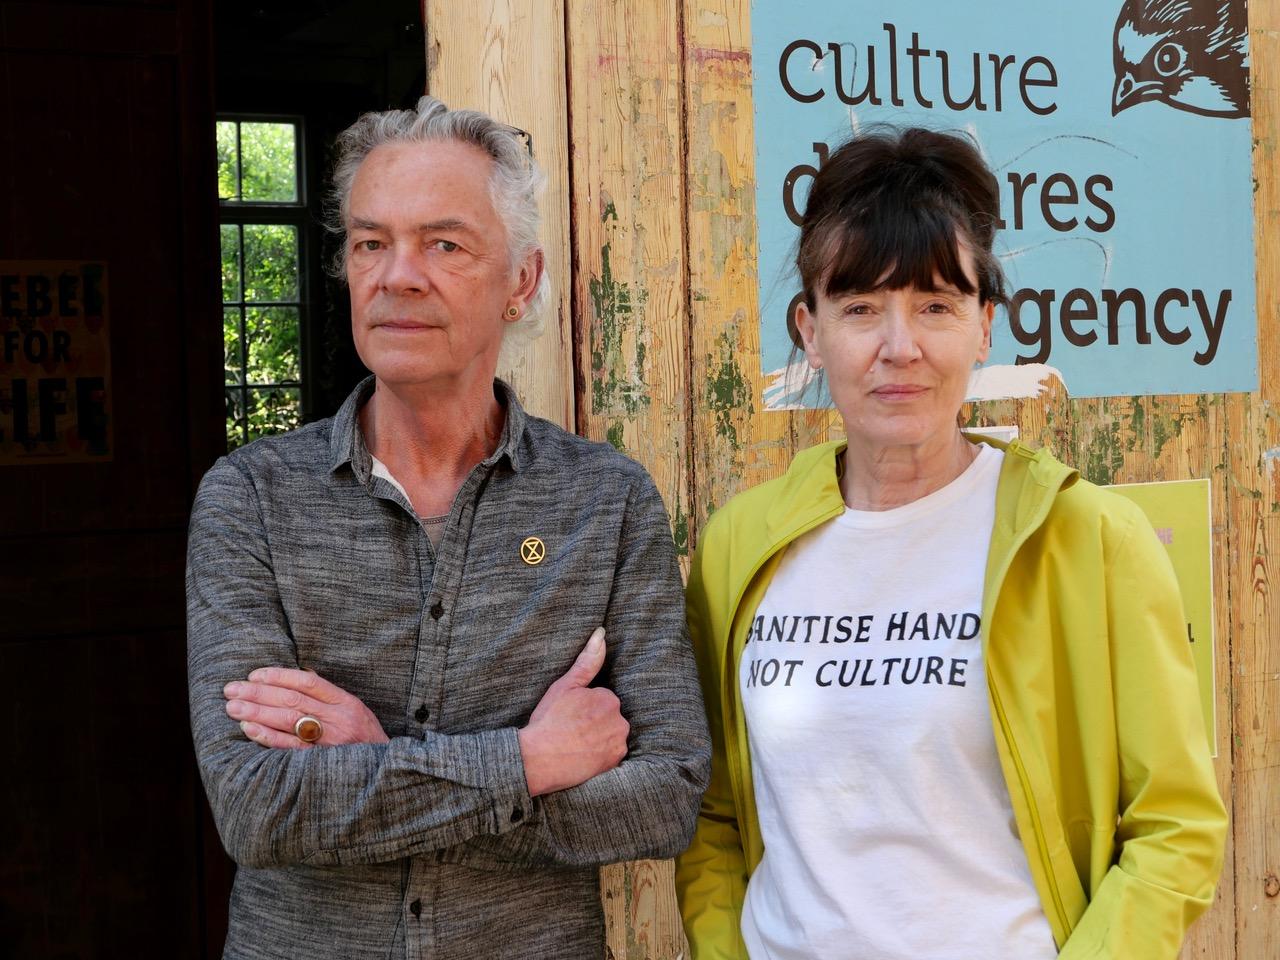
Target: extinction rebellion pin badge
532,551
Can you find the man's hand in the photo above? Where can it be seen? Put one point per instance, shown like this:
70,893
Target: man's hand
576,731
271,701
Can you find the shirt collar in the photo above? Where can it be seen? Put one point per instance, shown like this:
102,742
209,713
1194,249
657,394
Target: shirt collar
346,442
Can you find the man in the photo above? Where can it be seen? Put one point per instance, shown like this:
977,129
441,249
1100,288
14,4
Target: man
391,697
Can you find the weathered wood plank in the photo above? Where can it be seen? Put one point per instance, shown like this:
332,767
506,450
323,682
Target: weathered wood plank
628,236
506,57
735,444
630,314
1254,499
1213,936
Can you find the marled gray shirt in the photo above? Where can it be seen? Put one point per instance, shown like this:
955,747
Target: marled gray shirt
430,846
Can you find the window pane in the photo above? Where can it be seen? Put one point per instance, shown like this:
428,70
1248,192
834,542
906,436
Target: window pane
270,162
270,262
235,414
272,334
274,411
231,356
227,161
230,262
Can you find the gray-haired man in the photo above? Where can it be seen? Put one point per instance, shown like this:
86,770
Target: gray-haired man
407,590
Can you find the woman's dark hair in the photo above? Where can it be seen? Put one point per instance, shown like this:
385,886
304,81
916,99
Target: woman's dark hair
890,208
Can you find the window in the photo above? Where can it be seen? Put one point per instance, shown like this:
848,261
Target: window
262,197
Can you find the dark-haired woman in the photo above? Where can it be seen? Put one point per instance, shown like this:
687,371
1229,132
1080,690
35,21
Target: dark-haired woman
952,706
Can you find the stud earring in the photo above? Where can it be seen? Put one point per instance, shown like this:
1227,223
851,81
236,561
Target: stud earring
513,312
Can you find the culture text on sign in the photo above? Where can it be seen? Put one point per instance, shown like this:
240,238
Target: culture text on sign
957,81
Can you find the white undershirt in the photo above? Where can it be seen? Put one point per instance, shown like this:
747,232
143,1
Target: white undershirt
886,821
434,526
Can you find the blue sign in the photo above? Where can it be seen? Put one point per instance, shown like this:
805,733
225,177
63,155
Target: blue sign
1119,131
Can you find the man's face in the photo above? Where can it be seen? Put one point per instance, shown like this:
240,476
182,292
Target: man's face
428,265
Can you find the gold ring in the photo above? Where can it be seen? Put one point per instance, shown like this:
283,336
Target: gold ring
308,729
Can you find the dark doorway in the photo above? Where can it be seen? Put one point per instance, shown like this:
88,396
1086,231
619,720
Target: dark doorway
108,169
105,164
317,65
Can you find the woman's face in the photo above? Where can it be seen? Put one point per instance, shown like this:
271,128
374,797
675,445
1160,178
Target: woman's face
898,362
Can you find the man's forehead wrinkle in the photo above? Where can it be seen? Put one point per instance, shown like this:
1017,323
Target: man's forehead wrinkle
446,223
427,226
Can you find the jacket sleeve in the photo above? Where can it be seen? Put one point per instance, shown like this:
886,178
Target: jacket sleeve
647,805
1172,827
711,876
362,803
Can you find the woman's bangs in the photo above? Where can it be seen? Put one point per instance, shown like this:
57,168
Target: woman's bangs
912,246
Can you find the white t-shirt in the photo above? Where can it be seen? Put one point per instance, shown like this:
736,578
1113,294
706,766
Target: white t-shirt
886,821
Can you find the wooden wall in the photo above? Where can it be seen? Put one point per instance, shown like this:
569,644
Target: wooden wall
641,115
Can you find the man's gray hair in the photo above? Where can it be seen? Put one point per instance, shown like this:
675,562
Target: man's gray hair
513,186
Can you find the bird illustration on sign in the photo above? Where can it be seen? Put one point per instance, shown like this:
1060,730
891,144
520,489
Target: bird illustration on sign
1192,55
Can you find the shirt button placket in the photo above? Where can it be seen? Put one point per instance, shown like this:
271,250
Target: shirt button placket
416,940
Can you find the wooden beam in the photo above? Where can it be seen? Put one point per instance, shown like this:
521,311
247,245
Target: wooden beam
735,444
631,314
506,57
1254,529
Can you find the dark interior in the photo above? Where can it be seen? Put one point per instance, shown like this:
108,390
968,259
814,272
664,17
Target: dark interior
108,113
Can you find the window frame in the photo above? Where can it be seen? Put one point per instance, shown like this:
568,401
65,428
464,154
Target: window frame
293,213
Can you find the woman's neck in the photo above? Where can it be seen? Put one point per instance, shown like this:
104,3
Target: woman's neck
881,477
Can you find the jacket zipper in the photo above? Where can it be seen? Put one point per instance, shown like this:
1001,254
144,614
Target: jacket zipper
1045,861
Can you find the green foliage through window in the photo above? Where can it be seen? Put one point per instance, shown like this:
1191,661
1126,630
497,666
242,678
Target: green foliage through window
261,276
270,262
228,162
269,165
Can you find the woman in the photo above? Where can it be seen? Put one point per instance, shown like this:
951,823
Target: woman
953,710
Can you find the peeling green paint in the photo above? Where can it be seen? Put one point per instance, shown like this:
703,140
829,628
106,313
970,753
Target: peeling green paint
614,435
635,951
727,391
610,212
616,386
1136,423
1104,458
680,531
1162,431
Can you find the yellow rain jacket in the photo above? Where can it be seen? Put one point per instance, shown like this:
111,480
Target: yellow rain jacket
1093,700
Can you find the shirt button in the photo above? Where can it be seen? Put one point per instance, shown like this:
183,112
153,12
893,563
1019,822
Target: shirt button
517,814
437,610
416,908
421,714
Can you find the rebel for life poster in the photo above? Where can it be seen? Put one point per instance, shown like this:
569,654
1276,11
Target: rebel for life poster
55,362
1119,131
